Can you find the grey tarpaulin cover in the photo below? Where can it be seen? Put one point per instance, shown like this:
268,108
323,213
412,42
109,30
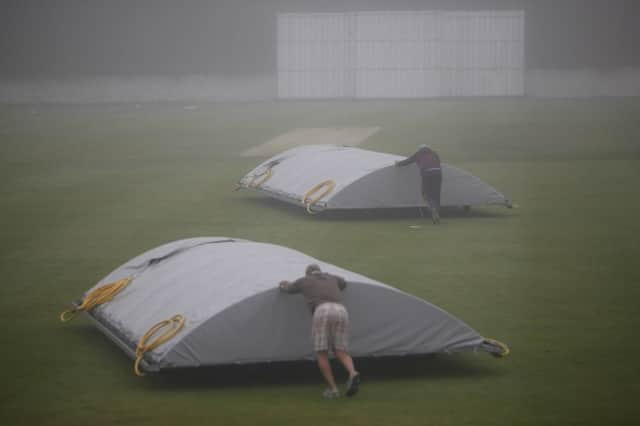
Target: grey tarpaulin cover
226,289
363,180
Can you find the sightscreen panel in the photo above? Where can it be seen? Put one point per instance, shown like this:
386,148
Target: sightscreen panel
417,54
314,56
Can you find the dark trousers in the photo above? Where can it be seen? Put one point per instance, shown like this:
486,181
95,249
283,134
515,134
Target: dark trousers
431,187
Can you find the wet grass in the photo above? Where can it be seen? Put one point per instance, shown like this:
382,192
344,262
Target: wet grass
83,189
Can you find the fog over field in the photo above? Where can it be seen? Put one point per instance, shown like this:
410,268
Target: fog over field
142,50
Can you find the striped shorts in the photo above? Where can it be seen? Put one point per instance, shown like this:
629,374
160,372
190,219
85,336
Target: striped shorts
330,327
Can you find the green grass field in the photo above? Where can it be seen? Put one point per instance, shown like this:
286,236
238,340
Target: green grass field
83,189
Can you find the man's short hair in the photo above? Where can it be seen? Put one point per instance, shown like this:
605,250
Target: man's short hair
311,269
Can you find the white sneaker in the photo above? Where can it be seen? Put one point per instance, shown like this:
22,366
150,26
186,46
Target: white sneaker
331,394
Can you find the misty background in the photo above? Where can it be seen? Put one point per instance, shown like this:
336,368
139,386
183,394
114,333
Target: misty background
199,50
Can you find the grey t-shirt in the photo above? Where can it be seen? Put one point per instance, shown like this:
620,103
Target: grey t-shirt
318,288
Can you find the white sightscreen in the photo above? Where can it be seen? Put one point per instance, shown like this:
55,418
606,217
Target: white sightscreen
481,53
315,58
401,54
397,54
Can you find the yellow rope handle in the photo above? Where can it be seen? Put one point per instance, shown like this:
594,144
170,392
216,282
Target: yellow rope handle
176,322
308,201
504,348
261,178
97,297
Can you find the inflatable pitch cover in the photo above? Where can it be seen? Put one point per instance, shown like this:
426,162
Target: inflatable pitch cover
333,177
219,298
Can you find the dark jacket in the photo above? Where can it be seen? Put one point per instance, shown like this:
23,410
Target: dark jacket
425,158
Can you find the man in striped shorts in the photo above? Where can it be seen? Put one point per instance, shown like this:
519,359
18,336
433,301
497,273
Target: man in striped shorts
330,324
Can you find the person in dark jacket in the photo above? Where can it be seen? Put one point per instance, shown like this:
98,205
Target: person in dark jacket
330,324
428,163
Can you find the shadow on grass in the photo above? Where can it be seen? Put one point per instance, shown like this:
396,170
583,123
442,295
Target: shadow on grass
431,367
446,213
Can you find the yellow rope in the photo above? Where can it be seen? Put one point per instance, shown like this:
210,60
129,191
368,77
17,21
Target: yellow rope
505,349
97,297
261,178
308,201
176,322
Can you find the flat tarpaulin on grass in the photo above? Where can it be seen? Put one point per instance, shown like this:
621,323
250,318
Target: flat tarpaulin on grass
226,291
354,178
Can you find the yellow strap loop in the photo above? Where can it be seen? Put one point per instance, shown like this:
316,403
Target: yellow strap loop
97,297
261,178
504,348
308,201
176,322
